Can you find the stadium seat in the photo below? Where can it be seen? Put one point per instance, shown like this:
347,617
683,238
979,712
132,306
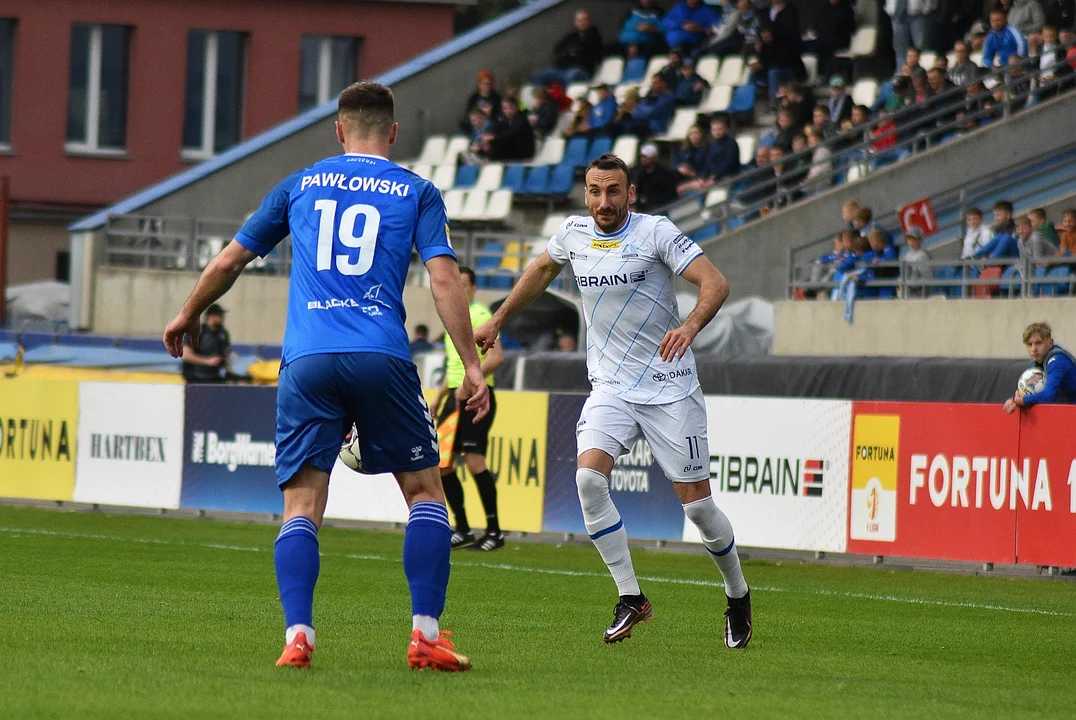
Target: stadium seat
552,224
977,58
575,151
681,211
456,144
513,177
626,148
474,205
717,100
657,64
551,152
488,259
433,150
707,68
853,173
863,43
634,70
716,196
537,180
499,206
927,58
423,170
599,146
561,180
990,273
1059,288
679,125
610,72
731,72
1012,280
444,177
490,176
454,203
466,175
747,148
514,257
577,90
526,95
743,99
864,92
810,62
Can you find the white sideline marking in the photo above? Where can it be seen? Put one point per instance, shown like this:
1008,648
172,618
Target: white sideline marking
17,532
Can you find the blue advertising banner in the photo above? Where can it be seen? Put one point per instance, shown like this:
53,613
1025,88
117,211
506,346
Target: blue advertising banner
645,498
229,449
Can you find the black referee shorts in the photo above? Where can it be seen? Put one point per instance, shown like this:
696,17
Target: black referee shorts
471,437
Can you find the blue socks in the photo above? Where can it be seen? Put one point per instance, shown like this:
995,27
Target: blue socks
297,566
427,545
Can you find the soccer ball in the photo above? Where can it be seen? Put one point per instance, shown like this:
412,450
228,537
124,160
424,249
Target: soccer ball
1032,381
349,452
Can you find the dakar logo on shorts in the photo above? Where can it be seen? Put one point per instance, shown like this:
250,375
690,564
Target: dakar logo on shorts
331,303
210,449
604,244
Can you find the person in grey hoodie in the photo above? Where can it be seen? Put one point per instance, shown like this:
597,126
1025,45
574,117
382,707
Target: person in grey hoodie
1032,243
1025,15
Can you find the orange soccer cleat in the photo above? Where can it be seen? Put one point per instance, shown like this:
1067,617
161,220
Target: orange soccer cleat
297,653
438,654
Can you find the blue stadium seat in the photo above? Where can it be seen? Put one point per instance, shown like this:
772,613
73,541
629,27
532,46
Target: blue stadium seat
513,177
601,145
1015,277
575,152
489,262
560,182
634,70
948,273
35,339
86,341
706,232
537,181
466,176
1061,288
148,344
743,99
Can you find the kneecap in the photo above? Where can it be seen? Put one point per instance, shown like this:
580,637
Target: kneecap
713,525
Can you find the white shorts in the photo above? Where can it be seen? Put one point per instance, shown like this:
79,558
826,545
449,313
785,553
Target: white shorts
676,432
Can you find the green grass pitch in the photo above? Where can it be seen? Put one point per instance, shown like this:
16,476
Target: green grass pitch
144,617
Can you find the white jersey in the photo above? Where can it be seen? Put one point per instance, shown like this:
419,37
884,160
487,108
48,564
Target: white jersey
626,282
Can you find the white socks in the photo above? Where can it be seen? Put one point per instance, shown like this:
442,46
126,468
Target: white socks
606,528
294,630
717,537
429,626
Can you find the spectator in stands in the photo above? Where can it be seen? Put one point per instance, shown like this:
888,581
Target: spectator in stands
884,139
785,130
420,341
1052,65
1025,15
565,341
912,62
643,28
1066,244
797,167
786,180
778,48
1067,36
840,261
576,56
724,157
976,235
897,10
690,161
1033,246
793,96
544,113
654,111
978,36
761,182
881,252
920,86
689,23
1054,360
726,38
821,124
672,70
916,262
691,87
963,70
975,101
863,221
484,97
211,361
956,19
604,112
859,119
819,176
840,102
848,214
513,137
655,184
1003,242
1002,42
481,129
624,112
1043,226
580,124
833,23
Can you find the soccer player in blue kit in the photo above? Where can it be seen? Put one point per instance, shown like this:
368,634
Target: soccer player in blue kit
354,220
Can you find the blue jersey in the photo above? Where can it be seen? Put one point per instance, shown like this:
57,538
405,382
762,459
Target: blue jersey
354,220
1060,385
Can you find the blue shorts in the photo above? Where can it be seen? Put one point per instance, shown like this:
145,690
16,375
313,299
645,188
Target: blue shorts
320,396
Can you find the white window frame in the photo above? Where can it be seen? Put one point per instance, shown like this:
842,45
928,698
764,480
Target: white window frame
93,104
325,66
209,100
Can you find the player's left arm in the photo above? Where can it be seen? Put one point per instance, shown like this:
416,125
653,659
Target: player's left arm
713,291
493,358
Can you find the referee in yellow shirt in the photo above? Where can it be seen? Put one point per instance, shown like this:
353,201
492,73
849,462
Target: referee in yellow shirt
471,438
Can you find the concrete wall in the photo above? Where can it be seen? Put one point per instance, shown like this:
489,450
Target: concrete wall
755,257
32,250
933,327
139,303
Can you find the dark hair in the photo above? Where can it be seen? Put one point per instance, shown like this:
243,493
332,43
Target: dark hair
367,108
1003,205
1000,10
912,47
464,270
1068,211
974,211
862,108
422,329
609,161
864,215
1038,211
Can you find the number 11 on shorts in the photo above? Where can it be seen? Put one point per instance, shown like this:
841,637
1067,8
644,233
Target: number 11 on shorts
693,447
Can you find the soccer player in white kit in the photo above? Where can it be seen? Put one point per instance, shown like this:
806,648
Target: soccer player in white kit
642,373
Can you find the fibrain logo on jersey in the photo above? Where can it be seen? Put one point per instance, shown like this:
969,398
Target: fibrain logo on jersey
239,451
875,441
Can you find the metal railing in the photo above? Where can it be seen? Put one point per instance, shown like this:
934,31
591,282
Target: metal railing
919,127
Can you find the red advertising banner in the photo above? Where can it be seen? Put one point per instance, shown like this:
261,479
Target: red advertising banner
935,480
1046,524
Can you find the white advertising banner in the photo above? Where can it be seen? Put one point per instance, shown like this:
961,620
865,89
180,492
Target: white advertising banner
779,470
364,497
130,444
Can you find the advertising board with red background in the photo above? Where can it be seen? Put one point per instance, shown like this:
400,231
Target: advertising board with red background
1046,531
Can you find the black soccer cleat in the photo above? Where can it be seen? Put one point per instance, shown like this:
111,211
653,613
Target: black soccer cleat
738,622
489,542
462,539
627,615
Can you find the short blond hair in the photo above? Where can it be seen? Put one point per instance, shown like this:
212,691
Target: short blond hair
1043,330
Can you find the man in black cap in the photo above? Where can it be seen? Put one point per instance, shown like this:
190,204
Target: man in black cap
211,360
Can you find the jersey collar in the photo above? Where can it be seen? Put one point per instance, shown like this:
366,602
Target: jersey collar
619,232
365,155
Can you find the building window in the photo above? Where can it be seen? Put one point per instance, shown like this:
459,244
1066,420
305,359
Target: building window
327,65
7,74
97,92
213,109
